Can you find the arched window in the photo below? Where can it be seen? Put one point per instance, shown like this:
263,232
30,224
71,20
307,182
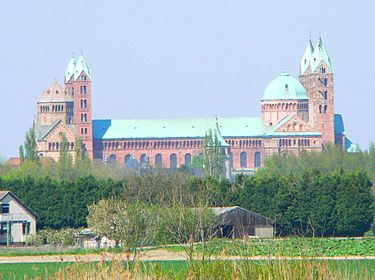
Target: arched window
187,159
320,109
173,161
325,109
325,95
257,159
243,159
84,89
158,160
112,160
128,161
144,160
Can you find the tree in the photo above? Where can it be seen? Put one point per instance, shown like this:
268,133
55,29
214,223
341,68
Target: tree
21,153
134,225
65,160
31,146
213,162
78,149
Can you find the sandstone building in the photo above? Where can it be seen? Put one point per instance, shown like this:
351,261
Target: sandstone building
296,115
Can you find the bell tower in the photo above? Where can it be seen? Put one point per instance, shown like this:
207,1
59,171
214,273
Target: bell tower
316,75
78,85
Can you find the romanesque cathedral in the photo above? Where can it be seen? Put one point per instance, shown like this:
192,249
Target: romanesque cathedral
296,115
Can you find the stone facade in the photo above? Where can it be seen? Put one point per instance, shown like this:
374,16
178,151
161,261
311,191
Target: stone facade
296,116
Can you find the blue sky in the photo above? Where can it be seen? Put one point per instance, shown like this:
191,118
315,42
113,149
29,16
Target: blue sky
175,58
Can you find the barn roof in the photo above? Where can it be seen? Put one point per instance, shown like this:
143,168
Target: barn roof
219,211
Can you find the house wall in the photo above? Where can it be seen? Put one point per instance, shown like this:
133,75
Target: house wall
16,228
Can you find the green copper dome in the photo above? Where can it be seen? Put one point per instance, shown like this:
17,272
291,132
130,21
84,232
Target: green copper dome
284,87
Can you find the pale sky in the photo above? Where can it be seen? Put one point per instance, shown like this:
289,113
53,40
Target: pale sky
171,58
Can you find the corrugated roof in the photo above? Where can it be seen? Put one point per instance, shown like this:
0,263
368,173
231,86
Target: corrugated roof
223,210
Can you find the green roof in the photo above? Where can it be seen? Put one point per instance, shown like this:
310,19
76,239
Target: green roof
76,67
320,54
305,61
176,128
187,128
70,69
284,87
81,66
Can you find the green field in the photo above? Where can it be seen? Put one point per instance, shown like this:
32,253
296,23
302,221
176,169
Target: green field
343,269
291,247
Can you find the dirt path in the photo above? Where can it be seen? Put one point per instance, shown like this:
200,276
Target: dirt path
154,255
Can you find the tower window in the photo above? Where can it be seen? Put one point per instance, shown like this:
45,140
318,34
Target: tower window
325,109
83,89
325,95
84,117
320,109
83,103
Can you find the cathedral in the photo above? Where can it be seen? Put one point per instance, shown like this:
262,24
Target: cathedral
296,115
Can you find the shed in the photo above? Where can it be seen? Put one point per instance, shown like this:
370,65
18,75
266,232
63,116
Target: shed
238,222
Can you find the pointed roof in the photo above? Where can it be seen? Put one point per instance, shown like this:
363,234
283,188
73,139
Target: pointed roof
55,93
320,54
70,69
80,67
305,61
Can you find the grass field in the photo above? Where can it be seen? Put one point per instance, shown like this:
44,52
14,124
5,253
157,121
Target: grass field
343,269
291,247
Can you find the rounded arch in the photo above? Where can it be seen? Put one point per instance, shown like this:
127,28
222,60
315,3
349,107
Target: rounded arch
243,159
112,159
187,159
257,159
173,161
143,159
158,160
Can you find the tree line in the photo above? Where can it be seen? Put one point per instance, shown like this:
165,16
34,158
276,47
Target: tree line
315,194
308,204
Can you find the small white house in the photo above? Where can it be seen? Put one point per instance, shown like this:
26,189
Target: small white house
17,221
